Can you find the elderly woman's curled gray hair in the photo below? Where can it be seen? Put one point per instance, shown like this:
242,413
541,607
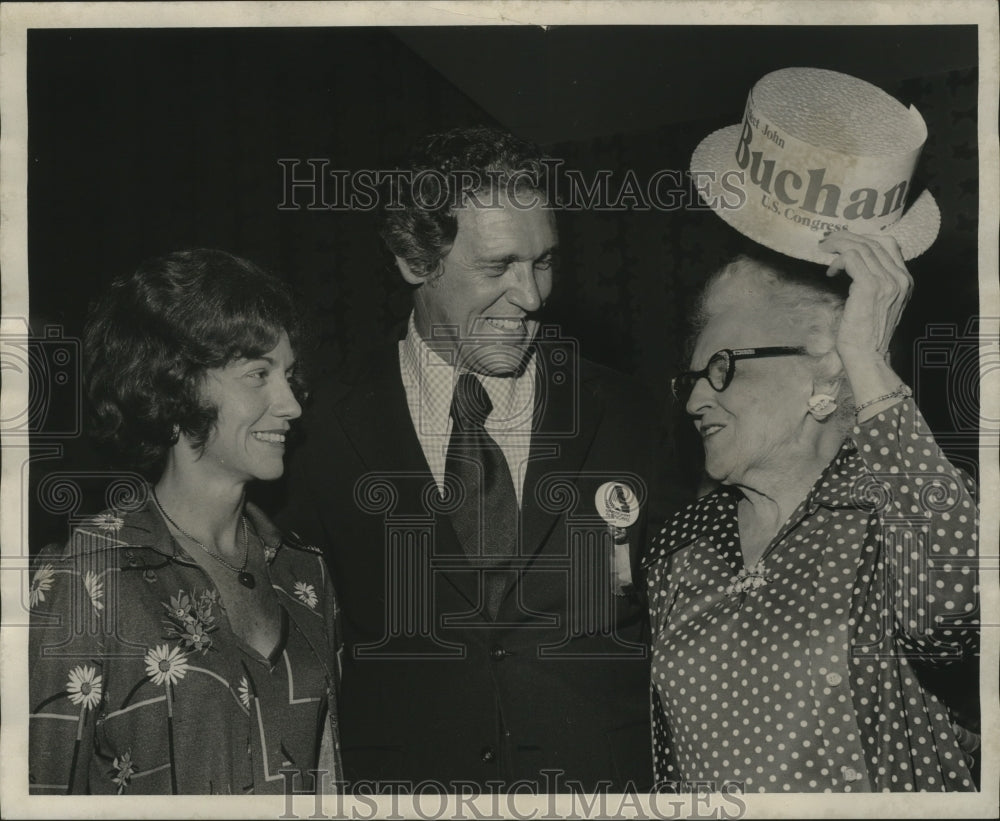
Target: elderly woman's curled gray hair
810,304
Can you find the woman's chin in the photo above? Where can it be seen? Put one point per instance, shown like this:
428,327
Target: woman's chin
718,472
271,473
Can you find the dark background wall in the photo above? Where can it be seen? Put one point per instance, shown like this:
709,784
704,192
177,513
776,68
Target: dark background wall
147,141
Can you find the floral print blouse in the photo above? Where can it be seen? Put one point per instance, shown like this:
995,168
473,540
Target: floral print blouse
140,686
798,674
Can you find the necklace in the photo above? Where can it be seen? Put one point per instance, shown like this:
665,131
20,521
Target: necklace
245,578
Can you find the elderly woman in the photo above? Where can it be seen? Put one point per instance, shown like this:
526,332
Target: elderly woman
791,607
182,644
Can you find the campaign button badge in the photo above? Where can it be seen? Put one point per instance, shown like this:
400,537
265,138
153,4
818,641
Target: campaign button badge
617,504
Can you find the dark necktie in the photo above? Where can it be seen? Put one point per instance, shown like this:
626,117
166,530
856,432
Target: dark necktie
486,522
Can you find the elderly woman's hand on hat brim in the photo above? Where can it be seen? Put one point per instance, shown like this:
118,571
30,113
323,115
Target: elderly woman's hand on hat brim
880,289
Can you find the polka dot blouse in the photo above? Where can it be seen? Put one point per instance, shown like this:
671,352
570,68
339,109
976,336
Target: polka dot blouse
797,674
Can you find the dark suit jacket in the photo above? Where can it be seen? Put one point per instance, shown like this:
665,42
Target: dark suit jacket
431,689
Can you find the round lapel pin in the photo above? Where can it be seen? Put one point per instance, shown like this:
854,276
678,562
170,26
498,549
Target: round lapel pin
617,504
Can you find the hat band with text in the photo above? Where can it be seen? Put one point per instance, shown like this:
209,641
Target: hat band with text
786,177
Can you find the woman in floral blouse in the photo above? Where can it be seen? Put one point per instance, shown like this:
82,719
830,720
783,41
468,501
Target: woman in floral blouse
180,643
792,607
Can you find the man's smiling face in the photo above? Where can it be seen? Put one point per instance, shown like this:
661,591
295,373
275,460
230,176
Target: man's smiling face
497,274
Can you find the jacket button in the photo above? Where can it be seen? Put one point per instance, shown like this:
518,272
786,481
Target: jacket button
487,754
833,679
850,774
497,653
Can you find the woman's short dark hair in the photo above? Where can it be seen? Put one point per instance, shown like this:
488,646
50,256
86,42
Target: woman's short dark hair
418,222
150,339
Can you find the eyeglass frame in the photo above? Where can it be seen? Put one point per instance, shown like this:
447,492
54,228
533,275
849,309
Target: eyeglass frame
733,354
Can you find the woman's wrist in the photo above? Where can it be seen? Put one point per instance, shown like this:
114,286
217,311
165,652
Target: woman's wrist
869,375
874,384
873,407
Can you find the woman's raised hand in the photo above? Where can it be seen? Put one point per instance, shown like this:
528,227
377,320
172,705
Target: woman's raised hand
880,289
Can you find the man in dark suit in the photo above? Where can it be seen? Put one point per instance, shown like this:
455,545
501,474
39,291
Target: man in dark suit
481,493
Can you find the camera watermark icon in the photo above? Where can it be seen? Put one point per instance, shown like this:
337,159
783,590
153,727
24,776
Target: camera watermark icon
553,360
50,366
962,366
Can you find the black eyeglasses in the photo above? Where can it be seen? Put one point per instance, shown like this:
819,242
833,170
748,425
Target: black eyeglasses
722,367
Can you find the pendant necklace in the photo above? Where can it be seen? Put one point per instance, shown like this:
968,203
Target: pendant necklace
245,577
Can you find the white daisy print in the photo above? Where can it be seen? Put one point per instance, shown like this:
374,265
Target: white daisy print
109,523
41,584
166,665
245,692
306,594
95,589
84,686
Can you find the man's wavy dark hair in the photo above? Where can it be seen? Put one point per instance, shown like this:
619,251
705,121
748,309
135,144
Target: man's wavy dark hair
151,338
421,230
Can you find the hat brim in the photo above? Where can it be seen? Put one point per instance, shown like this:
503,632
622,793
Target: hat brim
915,231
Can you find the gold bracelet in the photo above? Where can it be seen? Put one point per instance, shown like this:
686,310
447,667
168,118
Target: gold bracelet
902,392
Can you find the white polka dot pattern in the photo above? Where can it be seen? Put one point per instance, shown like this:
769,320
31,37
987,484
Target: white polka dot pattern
797,675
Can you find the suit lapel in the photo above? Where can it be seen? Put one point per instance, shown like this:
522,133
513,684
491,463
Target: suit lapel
392,447
568,413
377,421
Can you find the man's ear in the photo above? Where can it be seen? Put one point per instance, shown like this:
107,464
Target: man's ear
413,278
407,272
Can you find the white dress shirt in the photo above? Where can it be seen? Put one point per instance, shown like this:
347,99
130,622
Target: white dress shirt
429,382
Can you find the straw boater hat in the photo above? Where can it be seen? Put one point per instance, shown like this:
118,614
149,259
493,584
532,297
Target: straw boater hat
818,151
